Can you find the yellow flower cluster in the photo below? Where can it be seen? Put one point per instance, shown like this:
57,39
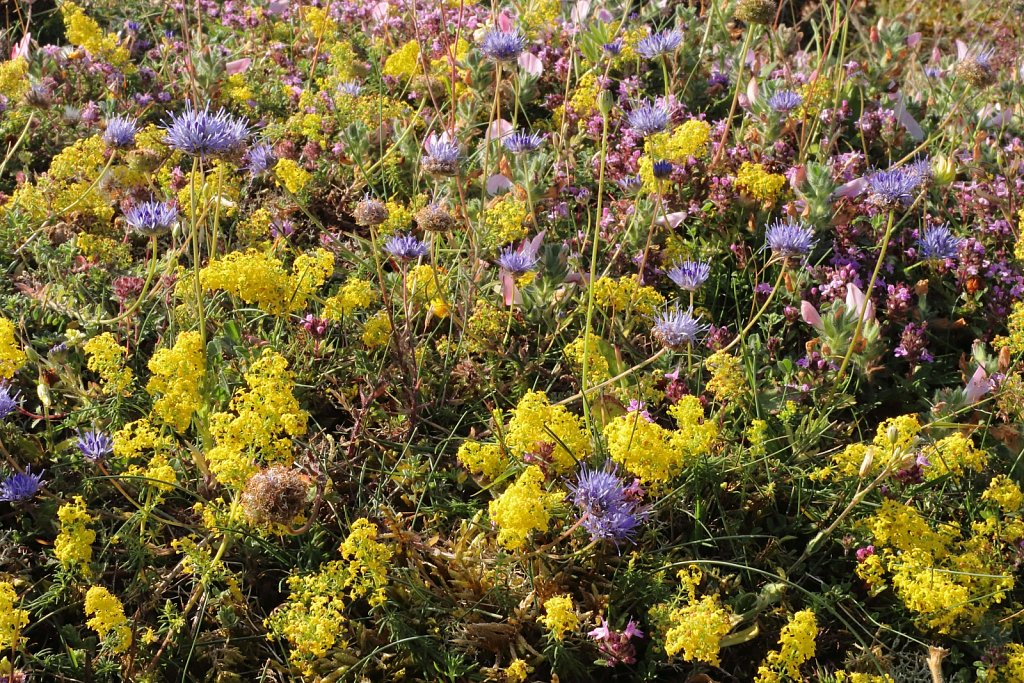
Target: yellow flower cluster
355,295
74,542
237,90
855,677
954,455
86,33
158,473
178,377
255,227
106,358
485,327
486,459
696,630
291,175
523,508
584,96
516,672
213,192
727,383
312,620
626,295
1005,493
12,619
265,417
892,446
105,250
404,62
377,330
597,364
1015,327
796,646
948,582
657,455
14,79
258,278
135,438
560,616
763,186
536,427
107,618
1012,668
503,222
688,140
12,358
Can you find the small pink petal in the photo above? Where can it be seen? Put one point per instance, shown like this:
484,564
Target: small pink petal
913,39
505,22
961,49
810,315
498,129
851,189
509,292
498,183
580,11
277,8
534,244
753,92
604,16
531,64
977,386
21,49
904,117
238,66
671,220
380,11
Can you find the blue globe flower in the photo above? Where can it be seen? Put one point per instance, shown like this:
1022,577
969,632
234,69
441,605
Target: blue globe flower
21,486
690,275
120,131
676,329
503,46
94,445
648,119
939,244
200,133
657,44
151,218
405,247
789,239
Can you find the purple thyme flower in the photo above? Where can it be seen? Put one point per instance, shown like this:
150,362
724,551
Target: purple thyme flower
939,243
676,329
785,101
517,261
259,158
120,131
503,46
657,44
690,275
893,188
405,247
648,118
151,218
788,239
520,142
94,445
605,511
9,402
200,133
21,486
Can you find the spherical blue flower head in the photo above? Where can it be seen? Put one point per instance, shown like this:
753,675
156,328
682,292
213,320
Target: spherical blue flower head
21,486
120,131
520,142
9,401
442,156
152,218
788,239
662,169
503,46
893,188
605,510
922,168
785,101
200,133
613,48
259,158
517,262
676,329
690,275
648,118
658,44
350,88
405,247
940,244
631,184
94,445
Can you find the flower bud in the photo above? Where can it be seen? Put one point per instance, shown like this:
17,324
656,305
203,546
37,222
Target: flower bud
943,170
865,465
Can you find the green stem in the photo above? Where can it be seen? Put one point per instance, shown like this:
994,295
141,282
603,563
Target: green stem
743,333
735,93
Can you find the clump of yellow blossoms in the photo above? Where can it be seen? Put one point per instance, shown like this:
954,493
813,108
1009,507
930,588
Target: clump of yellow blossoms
106,358
687,140
1012,668
12,619
74,543
597,364
796,646
404,62
218,190
503,222
135,438
377,330
262,420
313,620
516,672
755,181
892,447
693,628
537,427
14,78
108,619
727,382
86,33
523,508
856,677
655,454
627,295
1015,327
12,358
1005,493
178,376
258,278
291,175
954,455
355,295
559,616
486,459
